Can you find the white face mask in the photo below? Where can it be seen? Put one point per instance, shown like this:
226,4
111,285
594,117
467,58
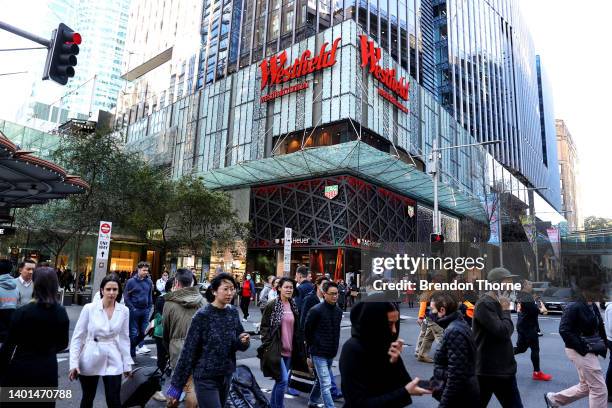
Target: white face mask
248,277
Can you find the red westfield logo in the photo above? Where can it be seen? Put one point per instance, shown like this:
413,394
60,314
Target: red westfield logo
370,55
274,72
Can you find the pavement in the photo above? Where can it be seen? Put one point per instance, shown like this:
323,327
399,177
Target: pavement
552,356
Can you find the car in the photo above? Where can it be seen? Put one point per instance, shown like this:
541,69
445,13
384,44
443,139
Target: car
540,287
555,299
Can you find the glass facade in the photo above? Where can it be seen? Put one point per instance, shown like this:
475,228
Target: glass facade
261,28
486,77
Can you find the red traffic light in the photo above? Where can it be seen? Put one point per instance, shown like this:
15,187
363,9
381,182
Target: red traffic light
437,238
76,38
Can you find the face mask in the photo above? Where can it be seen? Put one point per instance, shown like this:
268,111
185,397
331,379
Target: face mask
248,277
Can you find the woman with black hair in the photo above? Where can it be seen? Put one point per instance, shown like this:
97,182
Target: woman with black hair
209,351
34,360
371,367
100,345
282,344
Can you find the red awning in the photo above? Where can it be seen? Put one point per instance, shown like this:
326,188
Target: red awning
27,179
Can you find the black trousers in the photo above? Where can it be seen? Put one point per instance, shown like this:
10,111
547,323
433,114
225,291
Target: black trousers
212,392
525,342
112,390
162,354
504,388
245,301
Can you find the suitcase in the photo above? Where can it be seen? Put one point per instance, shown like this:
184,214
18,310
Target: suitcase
138,389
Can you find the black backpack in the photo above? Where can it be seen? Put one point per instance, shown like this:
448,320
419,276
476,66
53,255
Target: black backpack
244,391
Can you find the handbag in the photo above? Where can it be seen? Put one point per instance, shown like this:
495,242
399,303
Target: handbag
595,343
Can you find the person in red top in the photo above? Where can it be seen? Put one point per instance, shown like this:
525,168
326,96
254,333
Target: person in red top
247,293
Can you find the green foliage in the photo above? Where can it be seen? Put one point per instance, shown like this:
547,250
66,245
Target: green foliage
597,223
136,197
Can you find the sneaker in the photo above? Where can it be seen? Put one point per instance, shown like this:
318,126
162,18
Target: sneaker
245,320
159,396
540,334
338,396
145,349
548,400
292,391
140,351
425,359
540,376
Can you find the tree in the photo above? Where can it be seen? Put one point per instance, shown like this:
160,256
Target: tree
203,216
597,223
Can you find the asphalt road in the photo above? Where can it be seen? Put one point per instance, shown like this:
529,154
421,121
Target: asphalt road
552,355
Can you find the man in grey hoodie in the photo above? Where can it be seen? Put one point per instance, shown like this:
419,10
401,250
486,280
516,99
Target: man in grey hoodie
179,307
8,297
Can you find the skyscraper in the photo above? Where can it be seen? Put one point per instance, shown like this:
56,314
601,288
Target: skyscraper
486,77
96,84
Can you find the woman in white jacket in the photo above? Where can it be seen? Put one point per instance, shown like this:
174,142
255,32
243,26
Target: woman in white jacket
100,345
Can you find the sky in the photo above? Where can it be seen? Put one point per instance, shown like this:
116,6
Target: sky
573,39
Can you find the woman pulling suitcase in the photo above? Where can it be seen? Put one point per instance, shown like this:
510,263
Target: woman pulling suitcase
100,345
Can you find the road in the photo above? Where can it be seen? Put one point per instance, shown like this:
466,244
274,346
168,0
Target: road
553,361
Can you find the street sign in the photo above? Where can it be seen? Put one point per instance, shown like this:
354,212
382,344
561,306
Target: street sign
104,239
287,252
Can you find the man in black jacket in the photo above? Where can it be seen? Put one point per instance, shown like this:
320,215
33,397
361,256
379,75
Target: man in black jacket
322,333
455,359
527,329
312,299
304,287
492,326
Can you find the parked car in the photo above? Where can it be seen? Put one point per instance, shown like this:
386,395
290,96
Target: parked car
540,287
555,299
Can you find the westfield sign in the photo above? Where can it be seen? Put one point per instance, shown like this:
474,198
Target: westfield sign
370,56
274,71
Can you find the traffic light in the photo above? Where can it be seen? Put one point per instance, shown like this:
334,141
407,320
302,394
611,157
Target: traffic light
437,244
61,59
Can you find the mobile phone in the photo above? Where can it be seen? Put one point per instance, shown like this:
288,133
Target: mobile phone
426,384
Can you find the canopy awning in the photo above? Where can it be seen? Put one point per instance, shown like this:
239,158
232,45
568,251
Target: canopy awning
356,158
27,179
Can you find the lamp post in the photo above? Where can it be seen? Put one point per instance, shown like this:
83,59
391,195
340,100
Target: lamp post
433,164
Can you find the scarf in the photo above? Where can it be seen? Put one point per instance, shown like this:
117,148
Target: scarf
277,313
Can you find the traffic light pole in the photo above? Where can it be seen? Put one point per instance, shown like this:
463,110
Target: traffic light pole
21,33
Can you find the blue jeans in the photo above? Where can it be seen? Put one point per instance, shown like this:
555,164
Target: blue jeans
212,392
323,382
139,320
277,399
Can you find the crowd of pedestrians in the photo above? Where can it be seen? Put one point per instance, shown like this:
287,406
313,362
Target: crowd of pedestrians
197,338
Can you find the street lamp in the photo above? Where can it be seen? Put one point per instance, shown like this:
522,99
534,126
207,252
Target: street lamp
433,164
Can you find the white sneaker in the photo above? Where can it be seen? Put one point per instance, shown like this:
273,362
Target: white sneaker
142,350
145,349
245,320
159,396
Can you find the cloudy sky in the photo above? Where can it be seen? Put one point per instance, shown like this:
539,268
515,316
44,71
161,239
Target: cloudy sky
572,37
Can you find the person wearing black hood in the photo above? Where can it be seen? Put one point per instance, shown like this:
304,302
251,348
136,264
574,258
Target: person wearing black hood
455,359
372,371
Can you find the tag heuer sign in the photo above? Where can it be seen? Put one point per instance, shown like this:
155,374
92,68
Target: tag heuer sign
331,191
